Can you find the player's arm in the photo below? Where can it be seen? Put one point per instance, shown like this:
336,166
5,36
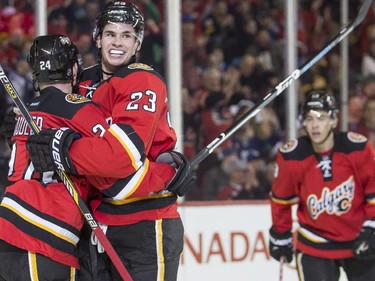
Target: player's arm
283,195
55,149
364,244
88,147
282,198
118,153
368,178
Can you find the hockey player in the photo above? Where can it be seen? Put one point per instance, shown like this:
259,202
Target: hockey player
331,177
39,222
142,223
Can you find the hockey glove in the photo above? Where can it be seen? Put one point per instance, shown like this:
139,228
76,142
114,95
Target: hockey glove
49,150
185,176
281,245
364,244
9,125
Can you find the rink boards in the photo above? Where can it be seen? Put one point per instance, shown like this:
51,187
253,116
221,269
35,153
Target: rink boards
229,241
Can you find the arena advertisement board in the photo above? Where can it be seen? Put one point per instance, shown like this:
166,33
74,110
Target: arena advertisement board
229,241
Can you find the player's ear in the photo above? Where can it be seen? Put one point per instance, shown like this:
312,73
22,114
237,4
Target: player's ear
97,42
334,123
138,48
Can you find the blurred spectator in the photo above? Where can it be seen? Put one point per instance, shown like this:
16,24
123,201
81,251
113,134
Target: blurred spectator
215,118
16,16
194,53
211,82
216,59
368,87
369,120
242,182
246,27
368,60
366,31
191,123
355,114
268,136
85,44
21,81
249,77
219,27
247,37
268,51
242,140
77,17
12,48
153,42
230,81
268,20
57,19
216,176
92,8
332,67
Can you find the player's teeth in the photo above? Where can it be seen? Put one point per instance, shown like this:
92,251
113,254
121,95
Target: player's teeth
116,52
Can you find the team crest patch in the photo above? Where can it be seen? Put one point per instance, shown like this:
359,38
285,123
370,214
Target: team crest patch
140,66
74,98
289,146
357,138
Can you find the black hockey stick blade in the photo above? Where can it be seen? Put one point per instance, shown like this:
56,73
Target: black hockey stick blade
282,86
68,183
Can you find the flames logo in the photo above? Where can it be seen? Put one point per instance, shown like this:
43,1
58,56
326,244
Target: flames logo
74,98
140,66
357,138
289,146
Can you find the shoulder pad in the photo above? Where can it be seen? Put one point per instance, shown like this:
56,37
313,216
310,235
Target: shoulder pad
75,98
53,101
356,138
296,149
140,66
134,68
347,142
92,74
289,146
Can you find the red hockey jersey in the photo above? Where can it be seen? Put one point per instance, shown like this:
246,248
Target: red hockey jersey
335,193
136,101
37,213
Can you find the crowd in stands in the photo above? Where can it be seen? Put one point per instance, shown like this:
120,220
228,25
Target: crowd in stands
233,56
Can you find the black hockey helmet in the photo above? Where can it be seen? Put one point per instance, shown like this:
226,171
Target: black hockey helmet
52,58
319,100
122,12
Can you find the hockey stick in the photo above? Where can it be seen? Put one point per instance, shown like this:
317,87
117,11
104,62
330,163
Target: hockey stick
281,86
281,269
68,183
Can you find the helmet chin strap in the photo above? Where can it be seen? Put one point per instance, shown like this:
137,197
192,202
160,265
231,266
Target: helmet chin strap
35,84
107,73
